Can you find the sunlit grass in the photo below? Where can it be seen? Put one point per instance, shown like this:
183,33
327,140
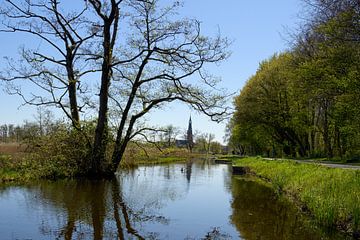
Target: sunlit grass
331,195
135,156
161,160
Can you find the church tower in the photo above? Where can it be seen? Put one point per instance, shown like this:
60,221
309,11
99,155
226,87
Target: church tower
190,141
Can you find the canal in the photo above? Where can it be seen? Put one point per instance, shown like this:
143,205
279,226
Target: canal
193,200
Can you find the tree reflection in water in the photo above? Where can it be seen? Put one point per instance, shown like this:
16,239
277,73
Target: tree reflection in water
92,209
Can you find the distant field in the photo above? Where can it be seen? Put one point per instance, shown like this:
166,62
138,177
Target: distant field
11,148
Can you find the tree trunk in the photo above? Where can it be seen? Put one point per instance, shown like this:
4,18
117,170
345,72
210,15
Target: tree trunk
121,142
326,136
74,110
73,100
98,159
339,151
120,146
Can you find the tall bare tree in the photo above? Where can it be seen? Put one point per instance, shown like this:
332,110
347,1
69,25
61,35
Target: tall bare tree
55,66
145,54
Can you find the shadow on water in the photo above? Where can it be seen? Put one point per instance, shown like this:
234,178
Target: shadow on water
193,200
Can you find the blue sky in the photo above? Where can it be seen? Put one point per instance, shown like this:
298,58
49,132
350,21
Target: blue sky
257,28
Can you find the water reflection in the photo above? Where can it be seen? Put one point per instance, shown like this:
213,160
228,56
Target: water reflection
258,213
193,200
98,210
87,209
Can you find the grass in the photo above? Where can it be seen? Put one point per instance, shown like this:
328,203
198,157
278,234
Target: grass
161,160
227,157
136,156
331,195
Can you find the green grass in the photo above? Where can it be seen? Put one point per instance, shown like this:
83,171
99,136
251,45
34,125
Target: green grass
135,156
160,160
227,157
331,195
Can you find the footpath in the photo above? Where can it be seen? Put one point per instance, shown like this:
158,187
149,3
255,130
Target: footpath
327,164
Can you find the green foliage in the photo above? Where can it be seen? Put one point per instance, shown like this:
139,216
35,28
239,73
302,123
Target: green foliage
331,195
63,153
204,143
265,120
7,169
303,103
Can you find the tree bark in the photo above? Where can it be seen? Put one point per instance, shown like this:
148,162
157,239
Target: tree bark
99,165
101,132
72,90
327,140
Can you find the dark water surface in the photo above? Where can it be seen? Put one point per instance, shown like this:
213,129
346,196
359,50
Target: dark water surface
194,200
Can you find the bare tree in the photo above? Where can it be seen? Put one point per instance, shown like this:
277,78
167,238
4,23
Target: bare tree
336,20
170,132
145,55
172,52
56,66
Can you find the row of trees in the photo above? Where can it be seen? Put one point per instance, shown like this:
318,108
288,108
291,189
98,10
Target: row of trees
305,102
203,142
111,60
44,124
17,133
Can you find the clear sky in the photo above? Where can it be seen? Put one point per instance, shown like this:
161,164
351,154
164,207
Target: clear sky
257,28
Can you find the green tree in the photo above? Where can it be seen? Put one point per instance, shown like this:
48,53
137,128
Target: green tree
305,102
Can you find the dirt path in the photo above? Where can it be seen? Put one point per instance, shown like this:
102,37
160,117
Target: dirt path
331,165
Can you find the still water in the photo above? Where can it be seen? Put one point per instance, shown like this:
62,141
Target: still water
193,200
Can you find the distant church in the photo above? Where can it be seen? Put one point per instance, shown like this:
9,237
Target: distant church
189,142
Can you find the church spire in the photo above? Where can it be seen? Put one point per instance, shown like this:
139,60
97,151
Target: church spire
190,136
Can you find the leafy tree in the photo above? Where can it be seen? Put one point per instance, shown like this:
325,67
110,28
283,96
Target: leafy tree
305,102
203,142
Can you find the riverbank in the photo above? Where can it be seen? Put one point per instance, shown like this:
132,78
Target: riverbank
20,166
154,156
330,195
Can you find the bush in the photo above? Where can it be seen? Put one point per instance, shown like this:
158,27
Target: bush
62,153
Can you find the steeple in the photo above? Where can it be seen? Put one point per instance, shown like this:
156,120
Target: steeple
190,136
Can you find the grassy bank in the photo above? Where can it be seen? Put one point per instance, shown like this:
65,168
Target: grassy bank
135,156
331,195
16,165
160,160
